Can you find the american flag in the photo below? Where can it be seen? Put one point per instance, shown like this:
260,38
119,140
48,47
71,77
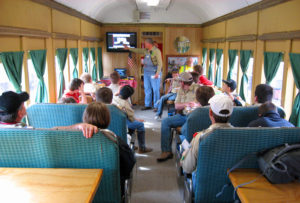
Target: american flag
132,60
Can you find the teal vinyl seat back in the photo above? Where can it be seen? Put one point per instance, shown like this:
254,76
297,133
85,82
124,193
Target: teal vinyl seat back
52,115
199,120
223,148
40,148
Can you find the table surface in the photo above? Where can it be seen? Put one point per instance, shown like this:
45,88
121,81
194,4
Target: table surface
48,184
262,190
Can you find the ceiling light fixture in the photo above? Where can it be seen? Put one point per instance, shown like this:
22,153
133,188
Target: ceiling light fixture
151,2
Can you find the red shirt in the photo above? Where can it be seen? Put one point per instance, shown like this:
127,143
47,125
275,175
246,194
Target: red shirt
204,81
74,95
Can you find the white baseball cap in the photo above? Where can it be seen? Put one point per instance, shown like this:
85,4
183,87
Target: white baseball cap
221,102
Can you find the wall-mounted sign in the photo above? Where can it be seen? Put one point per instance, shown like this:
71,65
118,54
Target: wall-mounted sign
182,44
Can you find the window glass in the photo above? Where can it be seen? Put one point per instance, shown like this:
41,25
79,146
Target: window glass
72,66
34,81
221,67
234,75
88,63
213,68
5,84
57,75
250,77
277,85
204,64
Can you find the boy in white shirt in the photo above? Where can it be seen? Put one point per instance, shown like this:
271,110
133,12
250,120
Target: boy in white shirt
115,80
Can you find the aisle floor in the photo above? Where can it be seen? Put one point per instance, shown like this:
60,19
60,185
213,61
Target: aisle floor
152,181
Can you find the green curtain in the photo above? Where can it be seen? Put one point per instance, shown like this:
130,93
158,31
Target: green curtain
232,60
295,62
204,55
85,53
61,59
244,62
218,77
100,67
271,64
38,58
74,55
12,62
94,70
211,60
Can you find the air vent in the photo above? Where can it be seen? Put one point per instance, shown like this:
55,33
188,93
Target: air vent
151,34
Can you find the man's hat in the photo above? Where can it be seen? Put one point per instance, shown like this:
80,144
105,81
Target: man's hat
11,101
230,83
221,102
186,77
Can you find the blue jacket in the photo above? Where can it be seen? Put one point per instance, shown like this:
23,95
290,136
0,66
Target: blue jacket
270,119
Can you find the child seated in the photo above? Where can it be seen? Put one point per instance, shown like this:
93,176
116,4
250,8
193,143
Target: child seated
133,123
171,95
104,95
68,100
195,76
115,80
202,79
89,86
98,114
228,88
76,90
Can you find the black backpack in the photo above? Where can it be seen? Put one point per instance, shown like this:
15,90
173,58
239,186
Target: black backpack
280,164
127,159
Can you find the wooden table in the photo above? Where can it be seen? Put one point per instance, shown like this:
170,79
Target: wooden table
48,184
262,190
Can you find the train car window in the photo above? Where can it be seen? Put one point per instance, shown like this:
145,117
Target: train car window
66,74
277,84
33,80
204,64
234,75
72,66
250,77
221,66
5,84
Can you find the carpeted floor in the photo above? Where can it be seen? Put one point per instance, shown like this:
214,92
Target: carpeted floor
152,181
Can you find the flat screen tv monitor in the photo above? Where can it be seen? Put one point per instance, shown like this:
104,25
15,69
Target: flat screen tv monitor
115,41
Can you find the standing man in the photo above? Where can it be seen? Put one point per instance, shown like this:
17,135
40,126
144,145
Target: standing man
152,72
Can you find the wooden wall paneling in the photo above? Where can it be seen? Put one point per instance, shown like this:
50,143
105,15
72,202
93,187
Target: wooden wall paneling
60,7
10,43
275,45
238,46
280,18
233,26
225,61
295,46
13,31
25,69
23,14
217,30
51,70
33,43
64,23
80,62
249,9
258,71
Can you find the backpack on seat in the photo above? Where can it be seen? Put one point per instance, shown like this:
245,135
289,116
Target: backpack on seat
280,164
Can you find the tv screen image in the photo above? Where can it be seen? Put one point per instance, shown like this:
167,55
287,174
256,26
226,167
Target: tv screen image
115,41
